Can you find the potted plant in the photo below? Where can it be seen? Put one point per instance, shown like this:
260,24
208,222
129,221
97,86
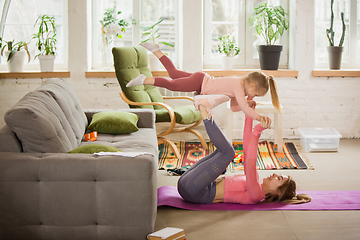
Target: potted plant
228,46
269,22
15,54
152,35
335,52
46,42
111,27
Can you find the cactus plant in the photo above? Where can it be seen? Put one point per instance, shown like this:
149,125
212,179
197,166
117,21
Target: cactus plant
330,32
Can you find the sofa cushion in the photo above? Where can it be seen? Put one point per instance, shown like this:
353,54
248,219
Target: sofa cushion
114,122
41,125
94,148
69,103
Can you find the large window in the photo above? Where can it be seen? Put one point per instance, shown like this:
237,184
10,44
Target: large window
231,17
351,9
19,26
138,14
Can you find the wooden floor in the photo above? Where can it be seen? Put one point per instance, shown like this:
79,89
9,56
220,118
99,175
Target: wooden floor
333,171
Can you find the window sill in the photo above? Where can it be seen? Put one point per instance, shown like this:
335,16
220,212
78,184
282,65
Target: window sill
336,73
55,74
211,72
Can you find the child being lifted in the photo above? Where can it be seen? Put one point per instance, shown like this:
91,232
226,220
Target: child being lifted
213,91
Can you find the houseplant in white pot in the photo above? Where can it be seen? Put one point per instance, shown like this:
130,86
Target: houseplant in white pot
46,42
335,52
111,28
269,22
151,35
228,46
15,54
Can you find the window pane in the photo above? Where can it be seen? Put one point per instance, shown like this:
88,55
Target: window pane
19,25
358,33
111,35
154,10
225,20
323,21
137,16
231,17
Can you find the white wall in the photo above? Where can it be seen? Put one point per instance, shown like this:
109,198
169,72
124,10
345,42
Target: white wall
307,101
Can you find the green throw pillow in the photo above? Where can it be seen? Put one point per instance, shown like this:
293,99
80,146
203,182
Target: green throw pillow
114,122
94,148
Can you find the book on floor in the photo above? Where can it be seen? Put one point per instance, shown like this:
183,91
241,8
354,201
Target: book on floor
168,233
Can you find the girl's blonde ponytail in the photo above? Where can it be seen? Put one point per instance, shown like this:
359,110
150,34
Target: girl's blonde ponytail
274,95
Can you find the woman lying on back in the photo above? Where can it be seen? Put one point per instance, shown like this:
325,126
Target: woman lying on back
200,184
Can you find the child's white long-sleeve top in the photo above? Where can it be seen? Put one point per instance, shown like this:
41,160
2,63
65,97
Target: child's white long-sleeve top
232,87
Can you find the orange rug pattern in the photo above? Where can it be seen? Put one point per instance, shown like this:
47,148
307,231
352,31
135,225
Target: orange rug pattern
268,156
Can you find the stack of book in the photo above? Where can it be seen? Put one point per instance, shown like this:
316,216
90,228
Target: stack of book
168,233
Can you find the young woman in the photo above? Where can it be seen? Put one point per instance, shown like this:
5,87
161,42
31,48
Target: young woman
201,183
225,88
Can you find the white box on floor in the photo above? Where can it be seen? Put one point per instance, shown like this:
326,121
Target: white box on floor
319,139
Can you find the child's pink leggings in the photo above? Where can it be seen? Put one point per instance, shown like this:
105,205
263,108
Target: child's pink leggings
180,81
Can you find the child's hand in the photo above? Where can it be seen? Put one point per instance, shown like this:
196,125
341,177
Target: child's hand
252,104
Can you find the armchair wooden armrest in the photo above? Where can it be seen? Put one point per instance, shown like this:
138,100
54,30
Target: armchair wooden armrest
171,128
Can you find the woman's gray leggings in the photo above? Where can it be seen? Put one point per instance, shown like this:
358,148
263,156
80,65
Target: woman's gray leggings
197,184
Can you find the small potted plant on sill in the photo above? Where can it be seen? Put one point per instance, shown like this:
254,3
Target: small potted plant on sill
269,22
46,42
335,52
151,35
111,27
15,54
228,46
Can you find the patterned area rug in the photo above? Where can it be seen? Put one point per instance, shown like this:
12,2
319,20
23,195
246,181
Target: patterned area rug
268,157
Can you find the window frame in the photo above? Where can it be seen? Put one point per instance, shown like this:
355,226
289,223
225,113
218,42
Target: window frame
136,31
351,39
245,39
34,64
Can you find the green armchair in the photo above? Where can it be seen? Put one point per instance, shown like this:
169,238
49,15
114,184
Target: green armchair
129,62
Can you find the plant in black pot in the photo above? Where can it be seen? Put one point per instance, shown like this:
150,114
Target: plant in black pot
270,22
335,52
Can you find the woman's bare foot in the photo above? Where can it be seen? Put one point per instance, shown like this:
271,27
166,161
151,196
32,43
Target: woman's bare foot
265,122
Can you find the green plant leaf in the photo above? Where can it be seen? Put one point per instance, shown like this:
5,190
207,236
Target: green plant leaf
157,23
12,52
168,44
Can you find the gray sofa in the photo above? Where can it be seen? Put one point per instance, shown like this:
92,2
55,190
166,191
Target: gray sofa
47,193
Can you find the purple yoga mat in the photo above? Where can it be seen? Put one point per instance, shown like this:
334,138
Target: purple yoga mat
321,200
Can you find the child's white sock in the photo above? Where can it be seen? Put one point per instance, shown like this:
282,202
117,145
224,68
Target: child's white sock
152,47
139,80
